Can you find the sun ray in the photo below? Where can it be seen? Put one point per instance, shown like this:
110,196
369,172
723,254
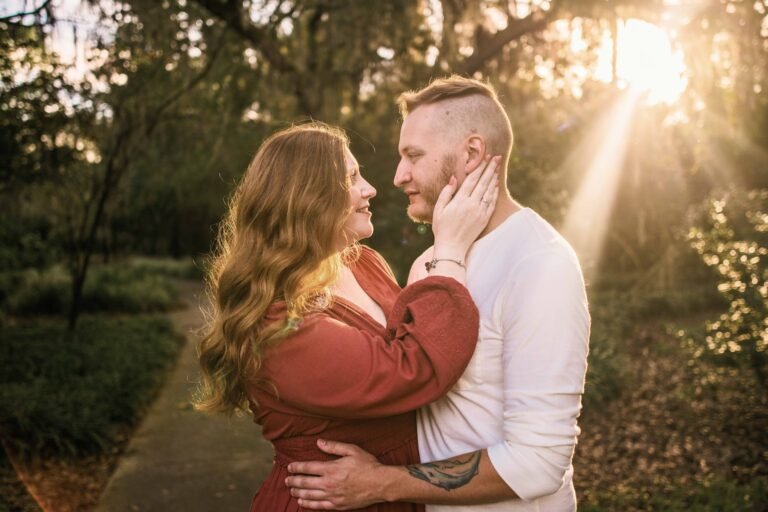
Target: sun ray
602,151
723,148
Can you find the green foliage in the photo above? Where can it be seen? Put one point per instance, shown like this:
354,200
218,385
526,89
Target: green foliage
122,288
24,243
738,336
620,317
63,392
173,67
608,351
719,495
165,267
135,286
32,114
39,292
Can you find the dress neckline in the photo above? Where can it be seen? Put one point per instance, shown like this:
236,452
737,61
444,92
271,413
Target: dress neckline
354,308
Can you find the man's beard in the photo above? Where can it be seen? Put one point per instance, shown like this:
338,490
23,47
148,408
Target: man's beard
429,192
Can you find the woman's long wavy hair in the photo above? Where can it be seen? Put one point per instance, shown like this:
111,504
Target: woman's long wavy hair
278,242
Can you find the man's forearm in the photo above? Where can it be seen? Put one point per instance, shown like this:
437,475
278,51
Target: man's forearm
462,480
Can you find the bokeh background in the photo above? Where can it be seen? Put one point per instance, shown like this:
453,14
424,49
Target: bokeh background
641,132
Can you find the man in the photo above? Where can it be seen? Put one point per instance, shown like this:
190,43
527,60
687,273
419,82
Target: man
503,438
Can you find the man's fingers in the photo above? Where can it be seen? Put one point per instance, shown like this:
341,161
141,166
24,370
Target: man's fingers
309,494
305,482
317,505
308,468
337,447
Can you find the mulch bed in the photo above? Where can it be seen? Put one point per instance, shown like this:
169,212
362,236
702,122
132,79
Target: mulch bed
67,485
58,484
676,429
14,496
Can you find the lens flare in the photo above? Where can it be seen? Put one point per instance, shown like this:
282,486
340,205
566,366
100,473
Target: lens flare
646,61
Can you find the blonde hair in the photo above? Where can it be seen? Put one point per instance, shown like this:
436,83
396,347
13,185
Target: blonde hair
277,243
476,107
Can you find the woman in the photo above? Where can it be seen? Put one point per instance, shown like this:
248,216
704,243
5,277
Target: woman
310,330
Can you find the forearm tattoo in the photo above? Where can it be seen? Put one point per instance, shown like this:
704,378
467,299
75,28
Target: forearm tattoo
449,474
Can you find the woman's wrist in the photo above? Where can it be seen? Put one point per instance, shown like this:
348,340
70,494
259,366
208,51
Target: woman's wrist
449,251
448,260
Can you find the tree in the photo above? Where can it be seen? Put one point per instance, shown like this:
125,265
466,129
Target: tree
187,129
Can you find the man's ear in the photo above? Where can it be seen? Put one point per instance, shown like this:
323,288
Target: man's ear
475,151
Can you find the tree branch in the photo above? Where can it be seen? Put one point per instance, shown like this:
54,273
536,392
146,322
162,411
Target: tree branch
452,13
489,45
230,12
33,12
170,100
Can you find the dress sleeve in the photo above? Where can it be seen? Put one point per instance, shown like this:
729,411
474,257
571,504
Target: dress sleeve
332,369
545,324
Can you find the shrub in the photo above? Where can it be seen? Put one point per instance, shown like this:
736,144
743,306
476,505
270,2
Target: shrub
25,242
179,269
9,283
739,336
608,356
124,289
620,322
46,293
119,287
64,392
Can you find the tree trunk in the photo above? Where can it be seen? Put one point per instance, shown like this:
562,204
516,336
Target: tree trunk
112,172
78,282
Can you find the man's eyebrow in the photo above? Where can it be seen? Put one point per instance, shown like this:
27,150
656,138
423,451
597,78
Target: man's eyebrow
409,148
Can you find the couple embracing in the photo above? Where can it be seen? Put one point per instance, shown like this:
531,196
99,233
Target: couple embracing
460,391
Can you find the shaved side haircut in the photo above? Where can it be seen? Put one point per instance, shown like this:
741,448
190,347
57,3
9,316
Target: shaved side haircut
465,106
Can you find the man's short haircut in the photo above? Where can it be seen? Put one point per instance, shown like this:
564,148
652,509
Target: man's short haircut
475,105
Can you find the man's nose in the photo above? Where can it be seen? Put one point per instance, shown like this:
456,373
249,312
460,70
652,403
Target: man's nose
402,174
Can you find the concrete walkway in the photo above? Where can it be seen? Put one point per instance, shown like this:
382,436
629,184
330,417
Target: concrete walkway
180,459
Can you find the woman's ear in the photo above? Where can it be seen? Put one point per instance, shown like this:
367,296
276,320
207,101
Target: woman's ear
475,151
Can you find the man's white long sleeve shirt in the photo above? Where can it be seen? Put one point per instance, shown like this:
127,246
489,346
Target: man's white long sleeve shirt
521,393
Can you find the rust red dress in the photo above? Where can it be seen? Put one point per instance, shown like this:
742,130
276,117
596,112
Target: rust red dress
343,376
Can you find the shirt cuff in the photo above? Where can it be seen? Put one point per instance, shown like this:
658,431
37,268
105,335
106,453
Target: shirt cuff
532,472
